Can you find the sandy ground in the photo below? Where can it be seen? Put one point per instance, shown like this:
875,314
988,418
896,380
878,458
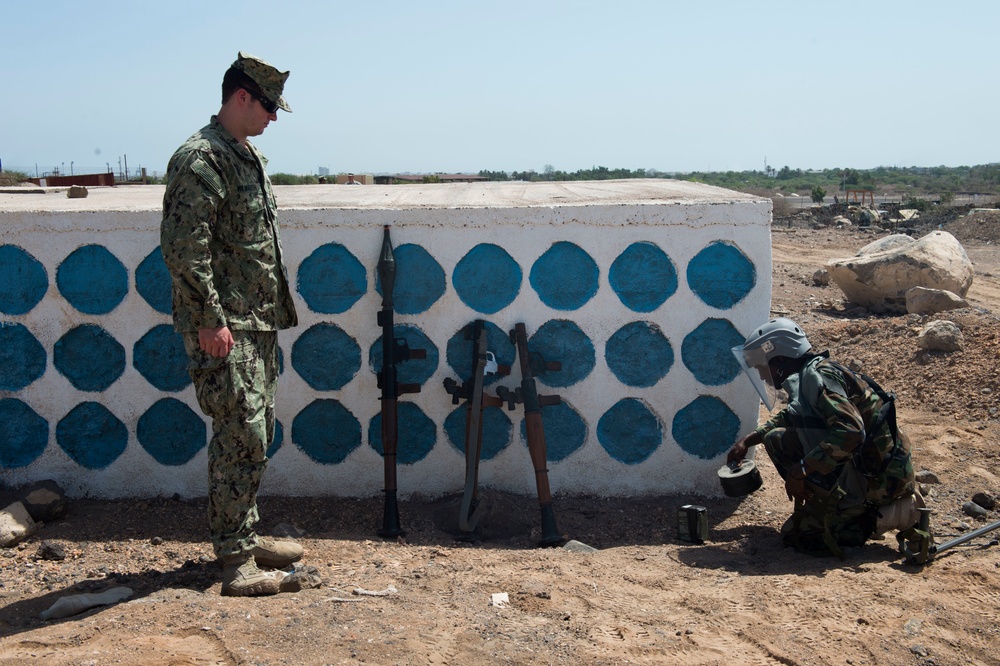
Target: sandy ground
643,597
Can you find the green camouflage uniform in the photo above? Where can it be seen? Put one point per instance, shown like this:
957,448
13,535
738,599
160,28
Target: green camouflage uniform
824,428
221,243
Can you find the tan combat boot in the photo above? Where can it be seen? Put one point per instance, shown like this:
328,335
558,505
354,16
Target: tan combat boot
276,554
242,578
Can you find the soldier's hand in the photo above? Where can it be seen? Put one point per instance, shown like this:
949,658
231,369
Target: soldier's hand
216,341
796,488
739,450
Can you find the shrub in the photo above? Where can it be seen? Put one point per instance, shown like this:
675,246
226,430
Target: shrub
12,177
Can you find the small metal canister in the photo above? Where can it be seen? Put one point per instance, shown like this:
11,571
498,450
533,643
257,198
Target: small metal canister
692,523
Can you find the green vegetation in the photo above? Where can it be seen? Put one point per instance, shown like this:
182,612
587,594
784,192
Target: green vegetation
291,179
818,194
8,178
902,181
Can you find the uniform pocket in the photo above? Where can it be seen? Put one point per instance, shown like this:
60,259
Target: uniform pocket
248,218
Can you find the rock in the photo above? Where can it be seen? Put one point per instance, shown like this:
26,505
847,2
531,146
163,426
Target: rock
287,531
973,510
77,192
15,525
986,501
882,272
821,278
921,300
942,335
50,550
45,501
926,476
77,603
578,547
303,578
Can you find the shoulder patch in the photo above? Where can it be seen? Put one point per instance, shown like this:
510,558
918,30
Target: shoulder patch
209,177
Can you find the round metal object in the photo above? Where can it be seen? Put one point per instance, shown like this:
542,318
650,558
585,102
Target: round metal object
740,478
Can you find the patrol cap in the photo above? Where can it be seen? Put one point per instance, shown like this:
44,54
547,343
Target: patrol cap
265,75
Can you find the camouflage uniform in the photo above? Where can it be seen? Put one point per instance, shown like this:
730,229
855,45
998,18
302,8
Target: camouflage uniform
221,243
823,428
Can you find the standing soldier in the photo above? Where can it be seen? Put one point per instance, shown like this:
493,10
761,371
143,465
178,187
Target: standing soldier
221,243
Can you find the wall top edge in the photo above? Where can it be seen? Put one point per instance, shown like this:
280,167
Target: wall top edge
634,192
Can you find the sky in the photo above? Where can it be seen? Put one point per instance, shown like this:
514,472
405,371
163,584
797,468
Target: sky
457,86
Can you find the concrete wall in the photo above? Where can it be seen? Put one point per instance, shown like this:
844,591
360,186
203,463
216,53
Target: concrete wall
639,289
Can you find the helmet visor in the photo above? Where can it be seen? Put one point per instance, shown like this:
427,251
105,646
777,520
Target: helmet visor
754,364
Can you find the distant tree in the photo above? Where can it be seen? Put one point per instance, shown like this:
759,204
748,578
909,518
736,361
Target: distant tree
494,175
292,179
818,194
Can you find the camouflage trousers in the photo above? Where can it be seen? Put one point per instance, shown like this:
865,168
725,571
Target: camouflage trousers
237,393
827,520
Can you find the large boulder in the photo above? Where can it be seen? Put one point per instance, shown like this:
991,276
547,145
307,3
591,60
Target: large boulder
879,276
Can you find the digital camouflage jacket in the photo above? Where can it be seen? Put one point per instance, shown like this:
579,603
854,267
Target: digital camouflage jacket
220,238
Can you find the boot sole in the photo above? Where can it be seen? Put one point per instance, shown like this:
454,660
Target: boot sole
256,590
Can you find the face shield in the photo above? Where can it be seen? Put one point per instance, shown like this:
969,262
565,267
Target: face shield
754,364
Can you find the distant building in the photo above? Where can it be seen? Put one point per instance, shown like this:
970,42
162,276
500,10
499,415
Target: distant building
322,171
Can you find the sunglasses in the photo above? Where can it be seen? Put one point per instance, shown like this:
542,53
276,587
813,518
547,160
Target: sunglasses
268,105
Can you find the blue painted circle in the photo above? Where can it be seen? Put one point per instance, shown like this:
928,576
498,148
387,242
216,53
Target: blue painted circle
152,281
91,435
459,352
721,275
22,357
89,357
24,434
487,279
565,431
414,370
278,440
23,280
630,431
562,341
171,432
707,352
417,434
643,277
565,277
331,279
496,431
92,279
419,280
639,354
326,431
326,357
160,357
706,427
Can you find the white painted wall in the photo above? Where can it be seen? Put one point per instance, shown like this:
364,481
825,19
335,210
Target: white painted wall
446,220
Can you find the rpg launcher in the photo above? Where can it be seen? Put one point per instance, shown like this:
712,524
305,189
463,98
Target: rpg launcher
476,400
527,394
394,351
